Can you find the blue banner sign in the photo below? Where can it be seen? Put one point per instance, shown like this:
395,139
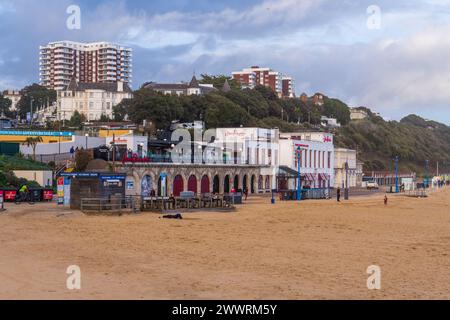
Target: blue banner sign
80,174
114,177
35,133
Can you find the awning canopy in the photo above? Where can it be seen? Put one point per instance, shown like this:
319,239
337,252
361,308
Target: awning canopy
287,172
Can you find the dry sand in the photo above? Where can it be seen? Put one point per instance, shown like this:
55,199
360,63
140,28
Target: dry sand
312,250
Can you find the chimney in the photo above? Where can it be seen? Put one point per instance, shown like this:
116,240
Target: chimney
119,86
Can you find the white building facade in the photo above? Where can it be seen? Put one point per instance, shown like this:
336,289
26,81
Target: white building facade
14,96
317,158
91,99
348,171
252,146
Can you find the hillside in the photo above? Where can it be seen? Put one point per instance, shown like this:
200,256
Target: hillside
413,139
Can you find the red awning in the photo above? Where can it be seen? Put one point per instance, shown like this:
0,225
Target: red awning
323,177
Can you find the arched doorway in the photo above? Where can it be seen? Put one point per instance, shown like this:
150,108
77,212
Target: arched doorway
205,185
216,184
252,184
192,184
226,184
236,182
178,185
162,185
245,182
146,186
267,183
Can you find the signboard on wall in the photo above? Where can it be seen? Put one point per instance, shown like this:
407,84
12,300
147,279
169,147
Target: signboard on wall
60,190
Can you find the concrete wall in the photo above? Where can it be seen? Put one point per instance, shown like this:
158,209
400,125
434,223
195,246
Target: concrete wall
44,178
54,148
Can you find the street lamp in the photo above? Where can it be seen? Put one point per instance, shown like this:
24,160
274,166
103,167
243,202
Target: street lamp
346,190
87,136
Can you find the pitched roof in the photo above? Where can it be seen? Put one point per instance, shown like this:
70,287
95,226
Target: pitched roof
226,86
166,86
108,87
194,83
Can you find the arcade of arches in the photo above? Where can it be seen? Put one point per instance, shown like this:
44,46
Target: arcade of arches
170,179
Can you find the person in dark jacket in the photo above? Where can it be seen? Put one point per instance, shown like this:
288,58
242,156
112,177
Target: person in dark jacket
338,194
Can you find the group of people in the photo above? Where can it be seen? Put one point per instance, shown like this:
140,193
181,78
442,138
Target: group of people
73,150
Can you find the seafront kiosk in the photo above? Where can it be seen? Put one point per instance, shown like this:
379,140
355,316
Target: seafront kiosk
92,185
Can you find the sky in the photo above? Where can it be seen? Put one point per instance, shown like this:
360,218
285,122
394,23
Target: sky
390,56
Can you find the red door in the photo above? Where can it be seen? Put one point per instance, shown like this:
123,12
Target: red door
178,186
205,185
192,184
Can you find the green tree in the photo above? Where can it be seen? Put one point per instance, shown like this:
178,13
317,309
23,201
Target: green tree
335,108
77,119
219,81
5,106
34,96
161,109
33,142
82,159
120,111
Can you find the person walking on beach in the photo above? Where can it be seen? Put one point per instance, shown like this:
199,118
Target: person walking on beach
338,194
385,200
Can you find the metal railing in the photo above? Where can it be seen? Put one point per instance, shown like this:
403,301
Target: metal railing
109,206
418,193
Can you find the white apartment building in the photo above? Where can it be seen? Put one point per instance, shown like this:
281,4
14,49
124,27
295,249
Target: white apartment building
14,96
317,159
99,62
91,99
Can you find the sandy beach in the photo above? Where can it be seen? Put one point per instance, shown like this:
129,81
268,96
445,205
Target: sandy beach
311,250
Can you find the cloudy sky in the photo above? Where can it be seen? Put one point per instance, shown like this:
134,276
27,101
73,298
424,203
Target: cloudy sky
397,62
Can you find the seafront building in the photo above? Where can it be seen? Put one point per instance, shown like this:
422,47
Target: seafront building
98,62
348,171
181,89
91,99
316,160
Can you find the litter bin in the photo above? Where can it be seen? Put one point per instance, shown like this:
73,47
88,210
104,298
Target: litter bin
36,194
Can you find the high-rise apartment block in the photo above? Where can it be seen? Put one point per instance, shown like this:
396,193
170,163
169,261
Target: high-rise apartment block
251,77
99,62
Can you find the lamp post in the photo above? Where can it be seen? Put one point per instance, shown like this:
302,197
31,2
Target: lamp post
87,136
31,113
427,163
346,191
299,176
397,187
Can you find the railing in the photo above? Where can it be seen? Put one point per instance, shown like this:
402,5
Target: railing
109,206
56,158
418,193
